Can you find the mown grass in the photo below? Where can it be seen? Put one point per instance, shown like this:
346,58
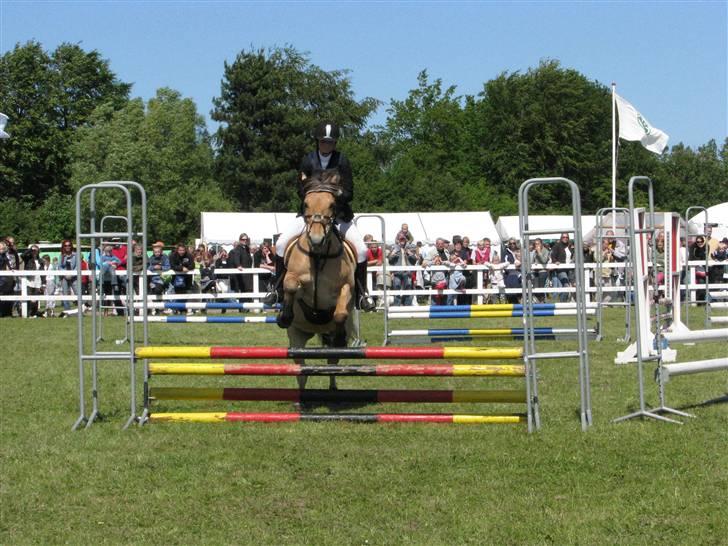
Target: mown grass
336,483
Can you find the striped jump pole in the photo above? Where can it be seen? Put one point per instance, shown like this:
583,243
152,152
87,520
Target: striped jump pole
398,370
340,396
214,319
484,307
222,417
183,306
441,334
414,353
486,314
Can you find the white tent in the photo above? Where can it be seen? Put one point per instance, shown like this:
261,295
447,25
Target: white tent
224,227
508,226
475,225
717,215
392,224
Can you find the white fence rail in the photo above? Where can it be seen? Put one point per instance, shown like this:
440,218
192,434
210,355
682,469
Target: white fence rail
53,281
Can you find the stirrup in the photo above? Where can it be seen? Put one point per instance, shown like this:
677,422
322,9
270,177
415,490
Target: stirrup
366,303
271,298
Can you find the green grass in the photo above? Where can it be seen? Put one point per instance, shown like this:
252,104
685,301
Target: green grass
337,483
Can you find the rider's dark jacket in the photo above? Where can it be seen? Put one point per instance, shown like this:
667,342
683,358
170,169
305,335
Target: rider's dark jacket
311,162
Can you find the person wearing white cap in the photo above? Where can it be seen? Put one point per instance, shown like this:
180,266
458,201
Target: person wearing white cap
326,156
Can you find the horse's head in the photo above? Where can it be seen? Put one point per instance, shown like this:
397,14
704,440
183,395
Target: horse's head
321,189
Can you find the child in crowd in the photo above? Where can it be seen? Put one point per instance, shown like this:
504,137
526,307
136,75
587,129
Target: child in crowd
496,278
207,276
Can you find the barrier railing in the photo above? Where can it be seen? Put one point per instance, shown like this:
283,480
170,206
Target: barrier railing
26,279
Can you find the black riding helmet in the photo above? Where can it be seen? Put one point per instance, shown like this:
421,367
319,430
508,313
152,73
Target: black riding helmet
327,131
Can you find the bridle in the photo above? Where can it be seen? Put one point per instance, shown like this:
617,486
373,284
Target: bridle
318,255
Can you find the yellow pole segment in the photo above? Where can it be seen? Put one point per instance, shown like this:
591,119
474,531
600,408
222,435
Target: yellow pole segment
212,417
483,352
173,352
489,370
168,368
488,419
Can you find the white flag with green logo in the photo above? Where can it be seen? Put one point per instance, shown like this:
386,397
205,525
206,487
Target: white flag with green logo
634,126
3,121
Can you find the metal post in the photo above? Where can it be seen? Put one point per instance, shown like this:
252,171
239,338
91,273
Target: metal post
96,355
530,355
640,285
687,269
383,246
601,213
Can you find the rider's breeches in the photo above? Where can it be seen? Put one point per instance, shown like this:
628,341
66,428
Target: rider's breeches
347,229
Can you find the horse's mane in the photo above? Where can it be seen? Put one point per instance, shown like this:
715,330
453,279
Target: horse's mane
323,180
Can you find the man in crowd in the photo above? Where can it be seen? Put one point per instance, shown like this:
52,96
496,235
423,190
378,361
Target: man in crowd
240,258
560,255
402,254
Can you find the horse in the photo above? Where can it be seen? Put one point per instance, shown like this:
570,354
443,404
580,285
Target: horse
318,286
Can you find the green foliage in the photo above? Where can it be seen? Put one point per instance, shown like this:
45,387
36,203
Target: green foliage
163,146
686,177
72,123
47,97
269,103
425,137
549,121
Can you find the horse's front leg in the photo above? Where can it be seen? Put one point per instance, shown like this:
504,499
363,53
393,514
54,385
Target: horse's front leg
291,285
341,315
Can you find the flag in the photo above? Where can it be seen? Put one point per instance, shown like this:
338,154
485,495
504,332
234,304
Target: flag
634,126
3,121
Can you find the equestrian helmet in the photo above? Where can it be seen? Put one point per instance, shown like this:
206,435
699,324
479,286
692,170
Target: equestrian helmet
326,131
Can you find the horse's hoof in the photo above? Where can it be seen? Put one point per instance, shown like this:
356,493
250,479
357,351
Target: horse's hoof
367,304
284,320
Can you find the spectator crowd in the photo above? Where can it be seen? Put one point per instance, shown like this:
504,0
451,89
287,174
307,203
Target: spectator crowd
171,271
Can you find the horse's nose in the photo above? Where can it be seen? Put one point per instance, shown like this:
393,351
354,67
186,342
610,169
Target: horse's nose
317,237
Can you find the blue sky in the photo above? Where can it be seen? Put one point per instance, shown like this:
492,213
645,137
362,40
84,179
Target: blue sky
668,58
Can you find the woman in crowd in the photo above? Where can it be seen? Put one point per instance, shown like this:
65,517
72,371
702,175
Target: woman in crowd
512,278
68,262
697,251
264,258
33,262
157,267
539,261
109,281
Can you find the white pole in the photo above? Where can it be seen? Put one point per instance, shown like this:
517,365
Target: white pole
614,159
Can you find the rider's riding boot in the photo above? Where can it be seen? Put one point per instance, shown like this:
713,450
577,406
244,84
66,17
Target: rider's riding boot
276,295
361,298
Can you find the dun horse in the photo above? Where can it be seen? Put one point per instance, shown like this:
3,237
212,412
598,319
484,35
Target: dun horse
319,283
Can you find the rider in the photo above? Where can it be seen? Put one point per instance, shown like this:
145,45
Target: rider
326,156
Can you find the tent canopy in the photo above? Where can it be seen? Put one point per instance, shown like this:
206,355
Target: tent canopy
224,227
717,216
508,226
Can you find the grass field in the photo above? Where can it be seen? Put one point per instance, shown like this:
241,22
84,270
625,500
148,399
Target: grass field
340,483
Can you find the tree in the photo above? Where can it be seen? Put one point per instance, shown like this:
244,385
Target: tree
690,178
424,137
164,146
48,97
269,103
549,121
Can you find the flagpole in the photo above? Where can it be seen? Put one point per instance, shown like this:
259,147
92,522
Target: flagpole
614,160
